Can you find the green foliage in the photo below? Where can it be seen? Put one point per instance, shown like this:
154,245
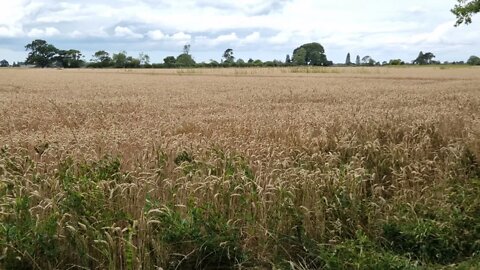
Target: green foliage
464,11
206,209
41,53
4,63
169,61
69,58
424,58
202,237
310,54
368,61
120,59
300,57
348,61
442,236
185,60
358,253
23,239
228,57
396,62
473,60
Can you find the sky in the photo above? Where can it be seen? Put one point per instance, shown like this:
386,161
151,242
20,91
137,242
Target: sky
266,30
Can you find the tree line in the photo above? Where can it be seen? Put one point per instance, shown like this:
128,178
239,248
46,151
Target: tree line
42,54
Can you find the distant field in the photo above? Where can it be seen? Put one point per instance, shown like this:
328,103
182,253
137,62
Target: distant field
290,168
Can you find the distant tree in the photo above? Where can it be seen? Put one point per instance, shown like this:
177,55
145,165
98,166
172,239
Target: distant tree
169,61
300,57
186,49
41,53
250,61
120,59
213,63
69,58
473,60
4,63
396,62
277,63
102,59
185,60
348,62
318,59
420,60
258,63
228,56
144,59
357,61
131,62
241,63
314,54
424,58
368,61
428,57
288,61
464,11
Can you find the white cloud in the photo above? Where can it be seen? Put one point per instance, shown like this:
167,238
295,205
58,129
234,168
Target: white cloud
10,32
43,33
77,34
226,38
252,38
156,35
365,26
280,38
126,32
438,35
180,37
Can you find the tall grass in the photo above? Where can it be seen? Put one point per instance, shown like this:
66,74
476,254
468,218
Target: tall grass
380,201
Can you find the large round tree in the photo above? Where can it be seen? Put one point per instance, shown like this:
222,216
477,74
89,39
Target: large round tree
310,54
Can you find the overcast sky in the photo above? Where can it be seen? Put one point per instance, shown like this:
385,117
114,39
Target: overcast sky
256,29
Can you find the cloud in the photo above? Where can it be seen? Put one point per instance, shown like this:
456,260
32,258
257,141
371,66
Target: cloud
158,35
10,32
438,35
226,38
252,38
280,38
267,26
43,33
126,32
249,7
180,37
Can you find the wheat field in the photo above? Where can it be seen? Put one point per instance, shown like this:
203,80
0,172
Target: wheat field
269,168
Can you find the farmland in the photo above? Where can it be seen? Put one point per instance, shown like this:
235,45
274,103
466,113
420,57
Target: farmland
269,168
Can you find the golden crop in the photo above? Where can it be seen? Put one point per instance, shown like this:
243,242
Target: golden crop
236,168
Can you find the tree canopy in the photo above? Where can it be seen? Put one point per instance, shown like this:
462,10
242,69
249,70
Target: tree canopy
228,56
314,55
41,53
4,63
348,61
69,58
473,60
424,58
464,11
185,60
